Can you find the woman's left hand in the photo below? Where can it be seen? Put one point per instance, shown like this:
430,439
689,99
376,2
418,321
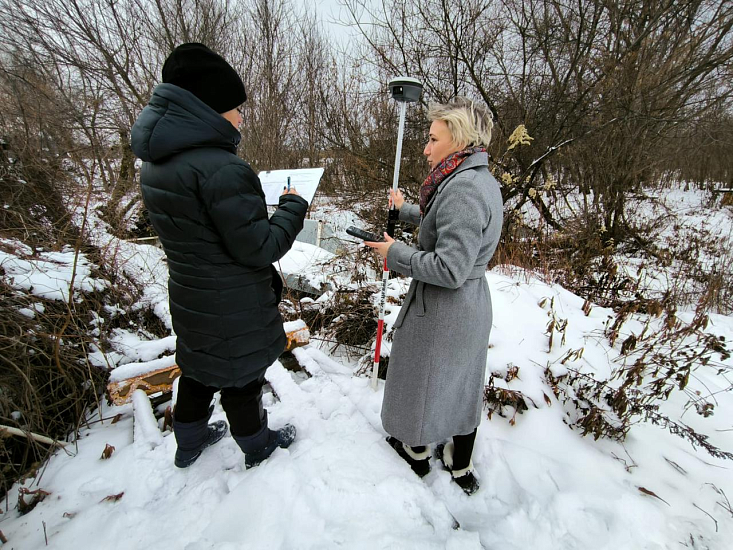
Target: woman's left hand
381,248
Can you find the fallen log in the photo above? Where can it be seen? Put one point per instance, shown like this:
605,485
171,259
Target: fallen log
158,376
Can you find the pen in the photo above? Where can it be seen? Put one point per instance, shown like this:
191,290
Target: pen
288,183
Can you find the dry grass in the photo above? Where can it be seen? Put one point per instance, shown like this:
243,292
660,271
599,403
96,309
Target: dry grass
697,266
47,383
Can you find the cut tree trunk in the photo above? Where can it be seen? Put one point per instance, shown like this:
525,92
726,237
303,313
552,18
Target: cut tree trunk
161,380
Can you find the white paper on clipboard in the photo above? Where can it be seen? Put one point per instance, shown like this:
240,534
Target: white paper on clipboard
305,181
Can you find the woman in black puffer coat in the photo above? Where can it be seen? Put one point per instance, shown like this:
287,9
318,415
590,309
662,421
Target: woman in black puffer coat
208,208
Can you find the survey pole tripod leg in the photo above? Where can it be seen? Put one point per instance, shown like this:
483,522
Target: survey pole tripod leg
405,90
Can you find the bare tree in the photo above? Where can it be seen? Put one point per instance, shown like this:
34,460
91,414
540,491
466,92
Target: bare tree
105,57
601,87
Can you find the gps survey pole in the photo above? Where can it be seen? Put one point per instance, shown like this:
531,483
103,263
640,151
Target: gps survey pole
404,90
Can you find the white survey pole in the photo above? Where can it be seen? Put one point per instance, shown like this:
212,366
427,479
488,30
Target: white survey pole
404,90
400,135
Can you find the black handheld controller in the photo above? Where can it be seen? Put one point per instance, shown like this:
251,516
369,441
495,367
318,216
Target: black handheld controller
364,235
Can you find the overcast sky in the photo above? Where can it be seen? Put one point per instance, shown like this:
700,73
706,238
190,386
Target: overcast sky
331,12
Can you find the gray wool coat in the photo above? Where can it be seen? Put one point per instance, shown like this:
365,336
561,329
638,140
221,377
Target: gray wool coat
436,375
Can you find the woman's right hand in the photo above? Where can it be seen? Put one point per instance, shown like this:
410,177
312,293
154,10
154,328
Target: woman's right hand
290,191
396,198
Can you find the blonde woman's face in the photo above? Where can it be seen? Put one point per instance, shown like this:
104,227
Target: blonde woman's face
440,143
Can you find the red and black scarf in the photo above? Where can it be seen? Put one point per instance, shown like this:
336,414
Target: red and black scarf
444,169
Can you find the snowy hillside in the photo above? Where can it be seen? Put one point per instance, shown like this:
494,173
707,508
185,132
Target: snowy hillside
543,485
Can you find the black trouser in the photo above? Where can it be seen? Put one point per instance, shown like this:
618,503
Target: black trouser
463,449
242,405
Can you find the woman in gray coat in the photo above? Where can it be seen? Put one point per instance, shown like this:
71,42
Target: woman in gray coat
436,375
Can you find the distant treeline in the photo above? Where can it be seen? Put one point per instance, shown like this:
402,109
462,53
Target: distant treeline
597,96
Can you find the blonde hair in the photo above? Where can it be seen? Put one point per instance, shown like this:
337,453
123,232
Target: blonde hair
470,124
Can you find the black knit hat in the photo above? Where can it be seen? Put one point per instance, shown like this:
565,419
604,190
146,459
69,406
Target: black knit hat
206,75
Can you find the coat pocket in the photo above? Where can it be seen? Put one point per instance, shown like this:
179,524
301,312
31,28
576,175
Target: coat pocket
416,294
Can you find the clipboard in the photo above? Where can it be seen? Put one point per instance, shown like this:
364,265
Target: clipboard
305,180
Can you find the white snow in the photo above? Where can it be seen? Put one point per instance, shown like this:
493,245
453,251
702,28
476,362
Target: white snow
50,275
292,326
307,261
340,485
131,370
146,426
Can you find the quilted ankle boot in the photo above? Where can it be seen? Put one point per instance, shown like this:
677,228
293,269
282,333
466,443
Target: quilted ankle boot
464,477
194,437
419,462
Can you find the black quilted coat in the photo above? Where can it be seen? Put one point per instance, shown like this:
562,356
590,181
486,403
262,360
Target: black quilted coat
208,207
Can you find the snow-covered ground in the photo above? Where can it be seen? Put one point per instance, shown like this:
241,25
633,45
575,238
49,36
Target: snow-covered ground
340,485
681,221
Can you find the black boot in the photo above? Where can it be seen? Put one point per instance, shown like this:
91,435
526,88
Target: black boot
464,477
419,462
194,437
259,446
